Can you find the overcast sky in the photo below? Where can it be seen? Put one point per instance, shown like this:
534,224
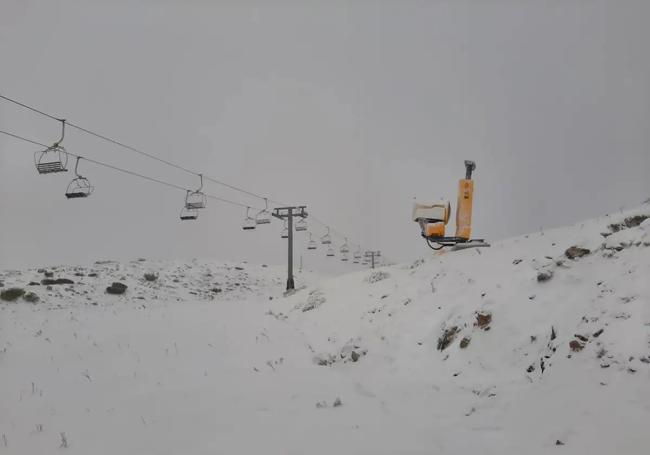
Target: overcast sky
352,108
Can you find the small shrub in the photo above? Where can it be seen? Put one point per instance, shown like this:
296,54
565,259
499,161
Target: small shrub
31,297
11,294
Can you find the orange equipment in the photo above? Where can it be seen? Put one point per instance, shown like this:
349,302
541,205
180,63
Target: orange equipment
433,218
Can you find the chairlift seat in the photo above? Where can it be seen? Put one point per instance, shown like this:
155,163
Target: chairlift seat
76,194
49,168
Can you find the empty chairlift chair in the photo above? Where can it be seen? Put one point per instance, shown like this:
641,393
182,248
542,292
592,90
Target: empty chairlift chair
344,257
345,248
285,231
249,221
311,245
79,187
326,239
188,213
330,252
196,199
356,257
54,158
263,216
301,225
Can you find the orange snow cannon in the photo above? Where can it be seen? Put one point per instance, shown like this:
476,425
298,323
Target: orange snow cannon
434,217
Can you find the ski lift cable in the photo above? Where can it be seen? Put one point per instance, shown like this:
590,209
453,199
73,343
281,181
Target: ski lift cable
126,171
154,157
136,150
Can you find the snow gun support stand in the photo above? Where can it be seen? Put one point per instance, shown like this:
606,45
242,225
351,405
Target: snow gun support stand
433,218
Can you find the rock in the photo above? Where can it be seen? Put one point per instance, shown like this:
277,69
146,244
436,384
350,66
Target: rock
79,274
531,368
559,443
216,290
11,294
377,276
337,403
354,356
33,283
582,338
634,221
553,333
447,337
116,288
48,274
239,268
465,342
150,276
40,271
92,274
321,405
576,346
31,297
483,320
516,261
598,333
544,276
50,281
576,252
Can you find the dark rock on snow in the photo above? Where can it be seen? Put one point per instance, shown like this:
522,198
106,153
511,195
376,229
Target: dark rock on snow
116,288
576,252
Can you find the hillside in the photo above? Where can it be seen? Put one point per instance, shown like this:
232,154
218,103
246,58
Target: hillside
517,348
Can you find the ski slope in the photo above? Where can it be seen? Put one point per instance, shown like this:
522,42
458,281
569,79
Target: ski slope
461,352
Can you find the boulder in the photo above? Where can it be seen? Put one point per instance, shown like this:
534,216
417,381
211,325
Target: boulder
50,281
116,288
544,276
575,252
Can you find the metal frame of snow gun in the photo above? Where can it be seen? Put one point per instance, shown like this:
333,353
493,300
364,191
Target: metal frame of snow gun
457,243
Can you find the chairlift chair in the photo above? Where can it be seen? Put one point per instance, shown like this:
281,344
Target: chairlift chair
79,186
330,252
301,225
345,248
344,257
263,216
311,245
249,221
356,257
326,239
285,231
54,158
188,213
196,199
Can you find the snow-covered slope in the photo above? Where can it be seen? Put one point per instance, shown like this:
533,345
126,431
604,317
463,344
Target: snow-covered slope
512,349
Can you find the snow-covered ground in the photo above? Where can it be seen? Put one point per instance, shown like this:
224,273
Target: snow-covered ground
510,349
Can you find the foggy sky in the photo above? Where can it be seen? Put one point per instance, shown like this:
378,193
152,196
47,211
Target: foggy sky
352,108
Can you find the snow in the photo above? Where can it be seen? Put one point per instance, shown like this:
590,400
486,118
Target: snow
172,367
